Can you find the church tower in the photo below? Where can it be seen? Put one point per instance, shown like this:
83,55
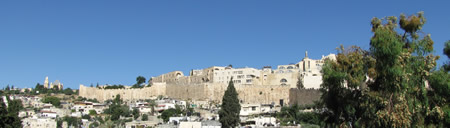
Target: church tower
46,82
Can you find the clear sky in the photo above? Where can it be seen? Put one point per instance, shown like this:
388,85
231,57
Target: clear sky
113,42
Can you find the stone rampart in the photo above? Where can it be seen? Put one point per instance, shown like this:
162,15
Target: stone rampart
304,96
251,94
126,94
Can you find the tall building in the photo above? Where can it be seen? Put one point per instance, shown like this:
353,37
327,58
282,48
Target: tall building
46,82
54,84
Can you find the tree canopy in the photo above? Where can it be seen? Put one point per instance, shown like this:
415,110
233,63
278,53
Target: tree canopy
230,108
55,101
386,85
9,115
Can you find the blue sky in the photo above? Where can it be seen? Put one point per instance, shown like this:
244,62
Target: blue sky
113,42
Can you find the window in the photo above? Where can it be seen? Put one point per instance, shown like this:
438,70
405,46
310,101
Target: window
240,76
249,81
290,67
253,108
238,72
283,80
249,76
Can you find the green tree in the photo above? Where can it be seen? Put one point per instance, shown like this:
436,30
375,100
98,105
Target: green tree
55,101
139,81
144,117
439,81
94,125
68,91
40,88
72,121
92,112
7,88
152,104
88,117
135,113
447,52
166,114
230,108
116,109
397,66
9,115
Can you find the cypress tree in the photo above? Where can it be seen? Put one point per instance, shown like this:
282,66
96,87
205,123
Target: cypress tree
229,112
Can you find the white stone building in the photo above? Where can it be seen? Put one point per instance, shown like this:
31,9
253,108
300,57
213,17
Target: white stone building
307,69
38,123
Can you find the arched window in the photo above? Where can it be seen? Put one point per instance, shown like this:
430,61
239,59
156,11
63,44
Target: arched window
290,67
283,80
281,67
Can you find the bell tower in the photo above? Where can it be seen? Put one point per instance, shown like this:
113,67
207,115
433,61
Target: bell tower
46,82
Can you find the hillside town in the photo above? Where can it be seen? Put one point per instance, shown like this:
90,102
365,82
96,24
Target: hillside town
224,64
142,106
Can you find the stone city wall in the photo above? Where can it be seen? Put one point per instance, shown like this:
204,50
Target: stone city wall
251,94
303,96
126,94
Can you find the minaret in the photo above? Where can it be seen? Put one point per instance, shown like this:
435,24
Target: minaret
46,82
306,54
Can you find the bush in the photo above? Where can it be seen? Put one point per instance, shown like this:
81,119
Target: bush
55,101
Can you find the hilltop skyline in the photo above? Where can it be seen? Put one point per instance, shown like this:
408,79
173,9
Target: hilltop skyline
112,42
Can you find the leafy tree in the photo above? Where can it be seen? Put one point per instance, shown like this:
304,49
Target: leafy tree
92,112
55,101
72,121
439,81
144,117
289,115
152,104
140,80
397,67
88,117
40,88
116,109
166,114
94,125
229,112
114,87
9,115
135,113
68,91
339,98
447,52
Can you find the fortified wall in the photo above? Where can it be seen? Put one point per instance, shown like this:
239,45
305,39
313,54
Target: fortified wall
254,86
251,94
303,96
126,94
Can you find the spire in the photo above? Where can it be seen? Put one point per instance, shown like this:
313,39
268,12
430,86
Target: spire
306,54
